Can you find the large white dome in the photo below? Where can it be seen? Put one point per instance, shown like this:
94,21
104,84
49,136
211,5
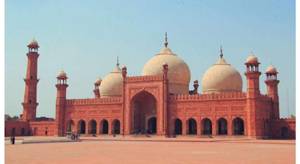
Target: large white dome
221,77
178,74
112,83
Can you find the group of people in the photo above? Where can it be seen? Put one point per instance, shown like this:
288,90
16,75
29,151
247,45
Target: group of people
73,136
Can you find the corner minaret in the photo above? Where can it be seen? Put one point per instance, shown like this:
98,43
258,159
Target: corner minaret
61,102
272,89
31,80
252,74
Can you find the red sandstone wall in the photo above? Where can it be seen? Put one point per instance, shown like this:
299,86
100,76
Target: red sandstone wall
278,125
96,109
43,128
21,128
213,107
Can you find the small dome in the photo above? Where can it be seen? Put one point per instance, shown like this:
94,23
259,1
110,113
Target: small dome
112,84
271,70
221,77
33,44
178,71
62,74
252,59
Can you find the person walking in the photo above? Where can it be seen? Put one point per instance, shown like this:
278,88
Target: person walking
12,139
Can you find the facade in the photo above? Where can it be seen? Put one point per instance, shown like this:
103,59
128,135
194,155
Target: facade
159,102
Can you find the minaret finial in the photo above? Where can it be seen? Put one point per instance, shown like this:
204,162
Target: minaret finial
221,52
118,61
166,39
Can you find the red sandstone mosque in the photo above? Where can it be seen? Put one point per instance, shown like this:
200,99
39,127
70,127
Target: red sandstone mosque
159,102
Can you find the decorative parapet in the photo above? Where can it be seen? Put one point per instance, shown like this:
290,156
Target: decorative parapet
264,97
92,101
42,122
208,97
144,78
287,119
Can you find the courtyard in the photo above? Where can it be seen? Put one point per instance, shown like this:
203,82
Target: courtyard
96,150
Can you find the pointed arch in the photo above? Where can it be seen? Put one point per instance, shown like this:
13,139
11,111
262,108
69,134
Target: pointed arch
104,126
177,126
222,126
92,127
192,126
81,128
238,126
116,126
206,126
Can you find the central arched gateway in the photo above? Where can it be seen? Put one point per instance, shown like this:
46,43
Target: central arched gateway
143,113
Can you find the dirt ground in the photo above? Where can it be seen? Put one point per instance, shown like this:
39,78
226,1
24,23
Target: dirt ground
144,152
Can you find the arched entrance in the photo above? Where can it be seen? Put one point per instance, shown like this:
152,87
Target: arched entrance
81,127
92,127
178,126
222,126
284,132
104,127
116,127
151,125
238,126
206,126
70,126
192,126
143,106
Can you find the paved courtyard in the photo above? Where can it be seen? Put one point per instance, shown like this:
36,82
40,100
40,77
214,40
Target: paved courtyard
96,151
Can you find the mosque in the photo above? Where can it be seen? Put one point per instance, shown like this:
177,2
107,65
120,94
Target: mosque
159,102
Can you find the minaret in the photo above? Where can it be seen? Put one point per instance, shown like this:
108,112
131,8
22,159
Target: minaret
31,80
272,89
61,102
252,73
96,89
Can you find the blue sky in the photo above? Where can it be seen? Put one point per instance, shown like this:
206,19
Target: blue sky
85,37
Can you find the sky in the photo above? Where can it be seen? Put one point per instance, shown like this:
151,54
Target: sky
84,39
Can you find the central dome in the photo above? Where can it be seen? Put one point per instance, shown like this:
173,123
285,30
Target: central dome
221,77
178,73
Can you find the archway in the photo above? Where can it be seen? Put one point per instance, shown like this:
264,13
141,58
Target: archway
143,106
92,127
178,126
151,125
81,127
284,132
192,126
238,126
206,126
104,127
70,126
222,126
116,127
